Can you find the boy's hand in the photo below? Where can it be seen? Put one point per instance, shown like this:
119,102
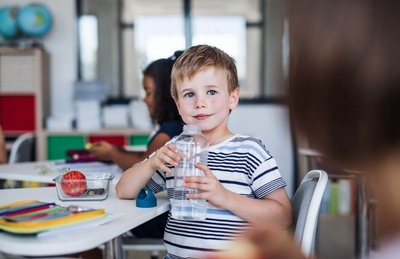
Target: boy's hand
168,154
213,191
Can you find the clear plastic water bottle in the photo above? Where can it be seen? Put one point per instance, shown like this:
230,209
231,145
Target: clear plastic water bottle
193,148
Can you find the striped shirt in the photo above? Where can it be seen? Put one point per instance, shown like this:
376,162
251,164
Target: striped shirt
244,166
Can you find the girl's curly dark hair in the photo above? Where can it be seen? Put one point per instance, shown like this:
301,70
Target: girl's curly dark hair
164,106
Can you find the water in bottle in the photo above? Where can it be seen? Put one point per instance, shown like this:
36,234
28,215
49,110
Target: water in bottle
193,148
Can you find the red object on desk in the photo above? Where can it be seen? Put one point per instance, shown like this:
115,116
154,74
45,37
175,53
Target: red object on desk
29,210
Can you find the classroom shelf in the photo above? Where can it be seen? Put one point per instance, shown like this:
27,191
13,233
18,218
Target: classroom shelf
25,104
24,92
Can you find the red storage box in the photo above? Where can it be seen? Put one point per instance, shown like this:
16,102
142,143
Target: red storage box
17,112
113,139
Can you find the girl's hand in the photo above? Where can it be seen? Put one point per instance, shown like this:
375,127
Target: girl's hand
103,150
168,154
213,191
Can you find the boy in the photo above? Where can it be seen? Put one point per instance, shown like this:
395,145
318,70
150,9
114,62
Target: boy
242,183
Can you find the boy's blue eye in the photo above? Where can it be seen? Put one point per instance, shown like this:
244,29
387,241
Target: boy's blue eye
190,95
212,92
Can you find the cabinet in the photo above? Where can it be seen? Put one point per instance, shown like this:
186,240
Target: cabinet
57,143
24,92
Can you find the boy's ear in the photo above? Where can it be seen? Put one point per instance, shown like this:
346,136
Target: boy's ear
234,98
176,102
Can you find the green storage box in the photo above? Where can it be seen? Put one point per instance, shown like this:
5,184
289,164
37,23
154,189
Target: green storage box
139,140
58,145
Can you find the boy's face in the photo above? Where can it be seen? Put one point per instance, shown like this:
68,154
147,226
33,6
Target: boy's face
205,100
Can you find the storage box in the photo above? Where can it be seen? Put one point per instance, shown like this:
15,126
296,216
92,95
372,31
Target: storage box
97,187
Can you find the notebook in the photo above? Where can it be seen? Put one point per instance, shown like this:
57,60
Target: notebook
33,216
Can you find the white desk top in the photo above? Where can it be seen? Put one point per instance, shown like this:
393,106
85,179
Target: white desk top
32,171
76,242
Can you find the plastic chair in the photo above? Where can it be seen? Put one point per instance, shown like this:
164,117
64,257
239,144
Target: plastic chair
22,149
306,203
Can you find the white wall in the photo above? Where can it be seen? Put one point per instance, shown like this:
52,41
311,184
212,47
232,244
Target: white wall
270,123
61,43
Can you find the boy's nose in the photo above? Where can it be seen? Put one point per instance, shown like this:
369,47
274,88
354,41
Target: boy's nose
200,103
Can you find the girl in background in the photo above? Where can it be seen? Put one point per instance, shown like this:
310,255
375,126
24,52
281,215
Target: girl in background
163,112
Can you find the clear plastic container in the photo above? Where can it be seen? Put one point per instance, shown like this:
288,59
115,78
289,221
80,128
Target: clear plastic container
193,148
95,187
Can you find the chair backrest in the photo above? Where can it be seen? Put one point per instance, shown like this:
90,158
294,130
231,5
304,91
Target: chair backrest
306,203
22,149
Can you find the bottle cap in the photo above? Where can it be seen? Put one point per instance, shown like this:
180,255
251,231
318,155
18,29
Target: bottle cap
146,198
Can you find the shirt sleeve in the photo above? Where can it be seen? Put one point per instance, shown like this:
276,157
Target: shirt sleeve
266,178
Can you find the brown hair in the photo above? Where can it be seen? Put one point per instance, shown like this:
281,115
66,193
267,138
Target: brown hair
198,58
160,71
345,76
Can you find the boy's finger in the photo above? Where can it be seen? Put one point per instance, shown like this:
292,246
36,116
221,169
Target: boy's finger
207,171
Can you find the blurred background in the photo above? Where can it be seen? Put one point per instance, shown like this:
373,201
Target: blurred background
78,79
111,41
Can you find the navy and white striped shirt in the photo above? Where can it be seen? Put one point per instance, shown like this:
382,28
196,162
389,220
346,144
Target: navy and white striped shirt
244,166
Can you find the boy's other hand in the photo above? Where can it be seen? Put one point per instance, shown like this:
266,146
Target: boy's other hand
168,154
213,191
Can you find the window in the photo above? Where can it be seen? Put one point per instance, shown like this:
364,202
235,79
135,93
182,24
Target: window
225,32
136,32
158,36
88,43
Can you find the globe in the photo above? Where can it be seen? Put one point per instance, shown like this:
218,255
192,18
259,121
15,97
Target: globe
35,20
8,22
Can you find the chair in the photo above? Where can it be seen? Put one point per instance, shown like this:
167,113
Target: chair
306,203
22,149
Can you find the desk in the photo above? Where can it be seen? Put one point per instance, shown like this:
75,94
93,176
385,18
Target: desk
31,171
77,242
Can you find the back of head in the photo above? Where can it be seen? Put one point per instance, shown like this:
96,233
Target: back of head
345,76
160,71
201,57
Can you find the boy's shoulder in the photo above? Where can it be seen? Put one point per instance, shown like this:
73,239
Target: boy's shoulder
239,138
249,143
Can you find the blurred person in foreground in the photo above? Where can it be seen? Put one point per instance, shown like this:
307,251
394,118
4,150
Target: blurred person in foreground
344,97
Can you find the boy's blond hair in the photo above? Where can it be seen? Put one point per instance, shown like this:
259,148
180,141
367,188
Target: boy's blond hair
198,58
